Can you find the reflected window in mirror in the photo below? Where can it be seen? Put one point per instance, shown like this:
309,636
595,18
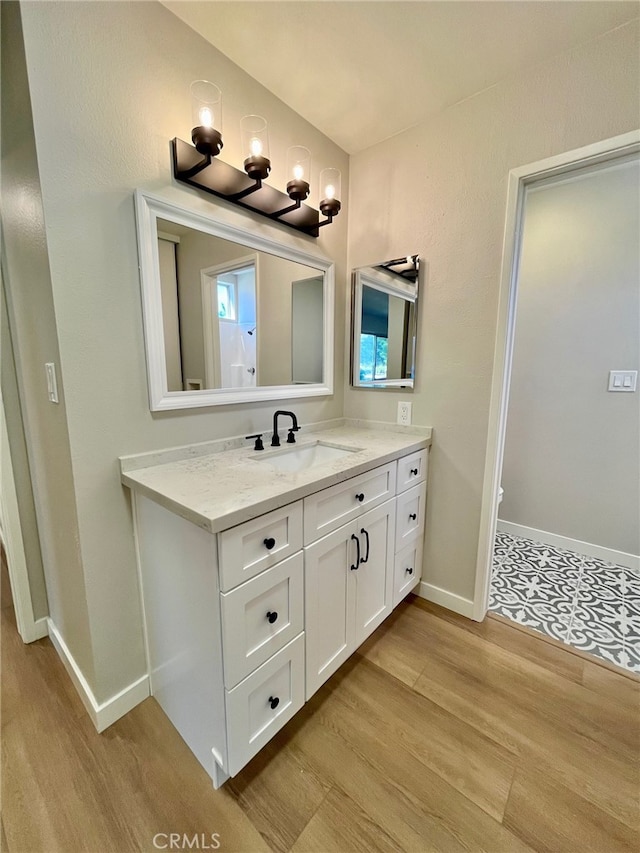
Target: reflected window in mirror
228,320
384,324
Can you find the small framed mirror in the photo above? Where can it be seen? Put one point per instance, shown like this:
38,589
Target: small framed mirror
230,316
384,324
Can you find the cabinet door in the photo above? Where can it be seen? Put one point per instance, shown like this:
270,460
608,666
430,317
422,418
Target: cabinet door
329,604
374,582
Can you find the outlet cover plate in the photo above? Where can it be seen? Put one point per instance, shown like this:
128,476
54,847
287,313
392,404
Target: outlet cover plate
404,413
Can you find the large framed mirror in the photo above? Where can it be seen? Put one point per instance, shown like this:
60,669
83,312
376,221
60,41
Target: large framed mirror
384,324
230,316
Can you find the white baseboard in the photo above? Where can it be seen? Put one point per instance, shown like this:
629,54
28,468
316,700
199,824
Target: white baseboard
102,714
463,606
609,555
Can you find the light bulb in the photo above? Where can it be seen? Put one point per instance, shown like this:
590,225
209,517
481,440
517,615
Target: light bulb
330,192
255,147
206,117
298,172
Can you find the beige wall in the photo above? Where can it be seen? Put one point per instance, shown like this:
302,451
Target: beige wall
274,318
571,457
109,86
196,252
32,318
440,190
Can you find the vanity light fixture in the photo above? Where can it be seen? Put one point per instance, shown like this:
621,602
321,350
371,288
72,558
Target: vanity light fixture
198,166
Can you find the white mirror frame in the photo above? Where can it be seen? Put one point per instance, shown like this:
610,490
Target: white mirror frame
149,208
405,289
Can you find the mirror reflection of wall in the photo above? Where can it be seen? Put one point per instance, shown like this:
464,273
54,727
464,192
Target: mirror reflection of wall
384,325
307,335
230,318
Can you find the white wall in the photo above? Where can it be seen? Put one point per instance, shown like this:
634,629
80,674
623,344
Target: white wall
110,87
571,460
440,190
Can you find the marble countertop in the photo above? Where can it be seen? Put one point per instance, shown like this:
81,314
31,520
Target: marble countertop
218,485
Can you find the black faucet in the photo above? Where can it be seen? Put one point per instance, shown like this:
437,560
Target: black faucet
275,439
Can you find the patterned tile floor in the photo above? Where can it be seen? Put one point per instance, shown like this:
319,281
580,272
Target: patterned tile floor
585,602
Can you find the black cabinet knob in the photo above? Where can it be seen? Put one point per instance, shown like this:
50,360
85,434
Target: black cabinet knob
269,543
272,615
409,571
412,516
274,702
414,471
360,496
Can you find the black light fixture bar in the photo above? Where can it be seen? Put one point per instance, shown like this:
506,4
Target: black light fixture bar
224,181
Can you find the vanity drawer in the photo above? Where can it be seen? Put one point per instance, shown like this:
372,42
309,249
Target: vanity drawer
252,719
410,514
407,570
256,545
412,470
331,508
260,617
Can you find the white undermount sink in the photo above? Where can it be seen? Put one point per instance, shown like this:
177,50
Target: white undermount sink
307,456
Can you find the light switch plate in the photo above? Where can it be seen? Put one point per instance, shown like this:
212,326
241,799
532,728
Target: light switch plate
52,384
623,380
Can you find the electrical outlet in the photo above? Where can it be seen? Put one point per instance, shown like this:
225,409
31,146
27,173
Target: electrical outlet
404,414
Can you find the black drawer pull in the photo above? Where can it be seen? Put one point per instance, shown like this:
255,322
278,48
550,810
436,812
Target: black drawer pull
357,562
412,516
272,616
365,559
360,496
414,471
269,543
274,702
409,571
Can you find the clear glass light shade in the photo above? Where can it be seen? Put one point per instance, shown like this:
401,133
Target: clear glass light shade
298,163
330,184
206,105
255,136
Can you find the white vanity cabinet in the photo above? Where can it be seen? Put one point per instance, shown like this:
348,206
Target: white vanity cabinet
244,624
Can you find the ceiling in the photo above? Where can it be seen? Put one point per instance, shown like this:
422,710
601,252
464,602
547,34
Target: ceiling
363,71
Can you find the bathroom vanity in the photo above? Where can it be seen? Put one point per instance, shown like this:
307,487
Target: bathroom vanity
263,571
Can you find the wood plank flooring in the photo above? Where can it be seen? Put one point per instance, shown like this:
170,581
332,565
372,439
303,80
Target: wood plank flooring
439,735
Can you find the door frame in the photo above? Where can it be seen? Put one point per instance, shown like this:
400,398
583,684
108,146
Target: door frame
519,178
29,627
210,328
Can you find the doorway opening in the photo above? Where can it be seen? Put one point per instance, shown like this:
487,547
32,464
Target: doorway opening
562,542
